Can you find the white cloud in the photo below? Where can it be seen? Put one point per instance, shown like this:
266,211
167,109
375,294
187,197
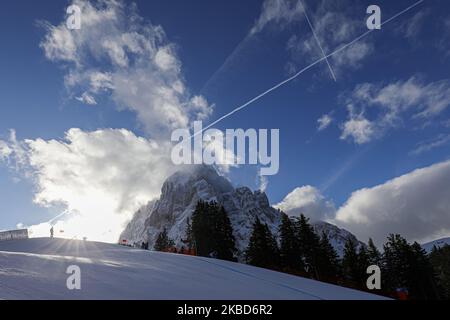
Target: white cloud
393,104
102,177
87,99
425,99
263,182
324,122
12,152
415,205
5,150
279,13
118,52
334,28
309,201
425,146
359,129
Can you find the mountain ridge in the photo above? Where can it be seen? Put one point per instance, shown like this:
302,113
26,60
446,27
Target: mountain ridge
180,194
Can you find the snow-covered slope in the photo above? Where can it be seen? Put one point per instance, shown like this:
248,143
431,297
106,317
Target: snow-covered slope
438,243
36,269
180,194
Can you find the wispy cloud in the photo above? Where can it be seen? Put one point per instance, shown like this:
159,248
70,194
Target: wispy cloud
443,44
278,13
428,145
412,27
324,122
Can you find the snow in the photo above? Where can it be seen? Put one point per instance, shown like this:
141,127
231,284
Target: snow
337,236
428,247
35,269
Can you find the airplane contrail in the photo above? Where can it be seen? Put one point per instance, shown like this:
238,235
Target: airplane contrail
305,69
317,40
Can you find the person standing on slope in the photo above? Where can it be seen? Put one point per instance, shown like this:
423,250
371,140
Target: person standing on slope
51,232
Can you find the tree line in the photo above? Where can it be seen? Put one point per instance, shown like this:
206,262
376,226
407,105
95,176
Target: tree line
297,249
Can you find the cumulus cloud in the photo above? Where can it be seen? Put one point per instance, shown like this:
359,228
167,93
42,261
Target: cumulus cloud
101,177
309,201
117,52
358,129
391,105
5,150
415,205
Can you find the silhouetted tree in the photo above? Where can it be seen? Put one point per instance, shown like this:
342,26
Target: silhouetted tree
262,250
350,264
290,255
328,262
189,240
309,244
373,254
163,242
440,259
225,247
211,231
408,267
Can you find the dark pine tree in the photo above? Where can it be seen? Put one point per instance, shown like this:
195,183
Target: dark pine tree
290,256
422,275
163,242
373,253
395,263
273,250
189,240
328,261
261,250
363,263
203,229
211,232
225,246
350,264
408,267
309,244
440,259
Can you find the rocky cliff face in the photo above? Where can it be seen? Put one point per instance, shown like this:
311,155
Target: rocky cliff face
180,194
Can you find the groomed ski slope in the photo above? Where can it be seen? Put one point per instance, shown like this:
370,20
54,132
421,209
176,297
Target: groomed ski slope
36,269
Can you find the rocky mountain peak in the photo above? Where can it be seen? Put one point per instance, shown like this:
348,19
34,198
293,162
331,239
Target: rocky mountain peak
180,194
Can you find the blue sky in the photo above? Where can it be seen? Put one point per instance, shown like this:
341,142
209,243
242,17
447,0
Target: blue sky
388,109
